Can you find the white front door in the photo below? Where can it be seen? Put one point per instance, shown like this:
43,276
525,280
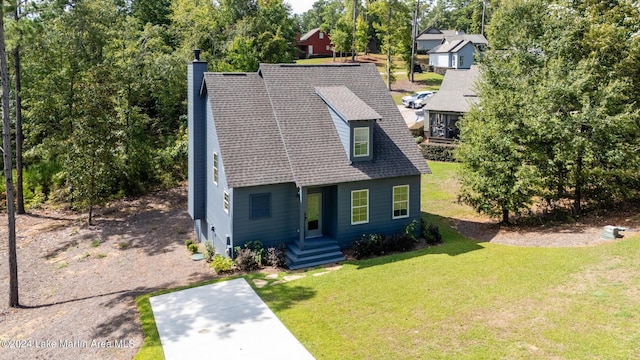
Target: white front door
310,50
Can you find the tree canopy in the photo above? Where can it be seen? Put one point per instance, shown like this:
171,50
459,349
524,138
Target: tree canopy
558,120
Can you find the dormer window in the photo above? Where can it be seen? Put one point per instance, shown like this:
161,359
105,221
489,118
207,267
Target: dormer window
354,121
361,142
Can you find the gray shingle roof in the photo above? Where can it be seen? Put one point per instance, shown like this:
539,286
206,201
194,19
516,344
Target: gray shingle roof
450,47
456,93
297,135
346,103
240,108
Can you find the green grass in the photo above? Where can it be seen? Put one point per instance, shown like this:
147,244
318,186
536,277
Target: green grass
462,299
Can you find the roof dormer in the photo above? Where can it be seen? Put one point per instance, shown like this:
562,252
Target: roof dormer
353,119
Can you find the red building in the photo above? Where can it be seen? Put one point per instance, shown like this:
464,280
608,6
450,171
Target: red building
315,43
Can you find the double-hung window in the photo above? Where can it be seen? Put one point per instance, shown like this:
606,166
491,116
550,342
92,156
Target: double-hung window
361,142
400,201
359,207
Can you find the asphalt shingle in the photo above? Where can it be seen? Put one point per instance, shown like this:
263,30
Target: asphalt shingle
297,140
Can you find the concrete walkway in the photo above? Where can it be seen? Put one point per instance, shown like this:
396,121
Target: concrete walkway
225,320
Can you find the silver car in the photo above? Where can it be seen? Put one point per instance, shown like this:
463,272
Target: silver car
411,100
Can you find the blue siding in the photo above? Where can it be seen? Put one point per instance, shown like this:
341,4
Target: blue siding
344,131
216,216
281,227
468,51
196,135
380,208
356,124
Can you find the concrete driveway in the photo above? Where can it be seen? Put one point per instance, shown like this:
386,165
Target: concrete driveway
225,320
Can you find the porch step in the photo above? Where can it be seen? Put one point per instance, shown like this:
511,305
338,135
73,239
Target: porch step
314,252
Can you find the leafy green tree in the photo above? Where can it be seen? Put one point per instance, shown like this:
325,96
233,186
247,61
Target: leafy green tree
569,111
497,174
394,28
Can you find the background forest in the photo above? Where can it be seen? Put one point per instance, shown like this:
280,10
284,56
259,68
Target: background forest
98,89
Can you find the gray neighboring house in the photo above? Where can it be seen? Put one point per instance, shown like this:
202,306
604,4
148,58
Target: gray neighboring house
432,37
310,156
449,104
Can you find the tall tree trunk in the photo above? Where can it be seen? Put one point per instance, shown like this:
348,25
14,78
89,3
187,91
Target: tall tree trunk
8,176
505,216
414,32
19,137
353,40
577,199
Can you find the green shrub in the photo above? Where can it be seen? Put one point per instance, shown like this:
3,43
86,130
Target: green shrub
419,139
221,264
258,251
193,248
188,242
431,233
209,250
438,152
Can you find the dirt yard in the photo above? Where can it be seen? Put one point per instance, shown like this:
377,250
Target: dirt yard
78,282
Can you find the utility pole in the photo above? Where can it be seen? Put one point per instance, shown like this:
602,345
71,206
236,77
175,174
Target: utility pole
484,7
414,33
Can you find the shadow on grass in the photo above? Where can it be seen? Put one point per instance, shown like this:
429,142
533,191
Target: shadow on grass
282,296
453,244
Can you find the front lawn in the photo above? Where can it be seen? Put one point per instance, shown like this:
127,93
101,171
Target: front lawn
469,300
464,299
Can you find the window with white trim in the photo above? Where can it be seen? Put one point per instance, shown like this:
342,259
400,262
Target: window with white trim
400,201
359,206
225,201
321,35
215,168
361,142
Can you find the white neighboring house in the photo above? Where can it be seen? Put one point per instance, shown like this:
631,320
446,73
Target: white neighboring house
457,54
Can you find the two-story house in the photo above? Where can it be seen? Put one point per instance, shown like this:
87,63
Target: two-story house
315,43
328,158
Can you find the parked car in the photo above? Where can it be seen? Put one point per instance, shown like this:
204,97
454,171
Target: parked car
419,103
410,100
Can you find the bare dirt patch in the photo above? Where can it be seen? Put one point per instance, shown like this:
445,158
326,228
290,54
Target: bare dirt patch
78,282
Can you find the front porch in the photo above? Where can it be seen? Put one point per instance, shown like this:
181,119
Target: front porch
313,252
316,243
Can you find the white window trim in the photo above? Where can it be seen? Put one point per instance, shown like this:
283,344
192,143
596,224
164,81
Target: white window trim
216,164
367,207
226,201
355,142
393,201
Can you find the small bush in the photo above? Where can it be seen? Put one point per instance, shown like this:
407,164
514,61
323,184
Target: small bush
431,233
370,245
193,248
419,139
221,264
438,152
209,250
257,250
276,256
246,260
95,243
188,242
